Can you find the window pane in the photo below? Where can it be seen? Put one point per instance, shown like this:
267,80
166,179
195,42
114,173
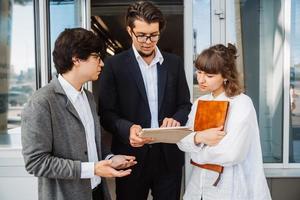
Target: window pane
17,61
201,34
259,37
63,14
295,83
270,79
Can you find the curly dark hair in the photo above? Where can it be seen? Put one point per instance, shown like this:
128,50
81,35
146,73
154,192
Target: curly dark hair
74,42
145,11
221,59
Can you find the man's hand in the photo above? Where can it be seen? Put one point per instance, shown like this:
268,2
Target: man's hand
103,168
170,122
211,136
122,161
134,138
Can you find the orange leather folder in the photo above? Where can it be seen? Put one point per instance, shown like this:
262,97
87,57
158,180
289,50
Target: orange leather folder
210,114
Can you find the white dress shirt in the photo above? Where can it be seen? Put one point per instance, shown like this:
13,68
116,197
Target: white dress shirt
149,73
82,106
239,152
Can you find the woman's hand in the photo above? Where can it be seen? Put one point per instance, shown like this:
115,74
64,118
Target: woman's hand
210,137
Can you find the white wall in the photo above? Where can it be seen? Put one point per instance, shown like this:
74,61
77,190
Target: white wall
15,182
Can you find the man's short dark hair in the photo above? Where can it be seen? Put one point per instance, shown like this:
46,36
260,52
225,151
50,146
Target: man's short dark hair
74,42
145,11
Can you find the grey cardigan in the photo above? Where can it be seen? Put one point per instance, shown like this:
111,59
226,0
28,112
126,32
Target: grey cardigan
54,144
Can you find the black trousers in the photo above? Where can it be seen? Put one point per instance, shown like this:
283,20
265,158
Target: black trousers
151,174
98,193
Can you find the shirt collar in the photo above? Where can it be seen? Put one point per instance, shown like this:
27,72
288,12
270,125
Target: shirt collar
221,96
71,92
157,58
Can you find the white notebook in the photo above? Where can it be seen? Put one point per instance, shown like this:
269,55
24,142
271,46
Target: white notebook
170,135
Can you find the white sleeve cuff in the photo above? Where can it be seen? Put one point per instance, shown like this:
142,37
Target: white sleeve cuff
87,170
187,144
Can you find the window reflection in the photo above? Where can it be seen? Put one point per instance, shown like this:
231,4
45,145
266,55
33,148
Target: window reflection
259,36
295,83
17,60
63,14
201,34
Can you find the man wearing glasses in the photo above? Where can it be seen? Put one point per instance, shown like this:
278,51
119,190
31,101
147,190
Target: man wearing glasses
60,128
142,88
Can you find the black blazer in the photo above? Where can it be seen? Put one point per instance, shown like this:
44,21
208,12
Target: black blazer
123,102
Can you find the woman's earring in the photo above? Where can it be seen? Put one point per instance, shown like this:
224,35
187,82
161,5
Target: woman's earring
225,81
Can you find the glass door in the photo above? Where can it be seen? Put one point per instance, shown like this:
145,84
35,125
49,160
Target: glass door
294,91
259,38
202,34
64,14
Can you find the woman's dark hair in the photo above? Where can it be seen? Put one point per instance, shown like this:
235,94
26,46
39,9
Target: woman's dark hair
220,59
145,11
75,42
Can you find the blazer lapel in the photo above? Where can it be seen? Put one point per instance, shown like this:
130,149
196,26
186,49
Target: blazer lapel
72,110
161,82
59,90
137,74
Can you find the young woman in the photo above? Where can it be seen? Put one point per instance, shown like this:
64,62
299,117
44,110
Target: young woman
237,149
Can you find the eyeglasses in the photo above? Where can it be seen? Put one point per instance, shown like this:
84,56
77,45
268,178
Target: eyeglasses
144,38
96,55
